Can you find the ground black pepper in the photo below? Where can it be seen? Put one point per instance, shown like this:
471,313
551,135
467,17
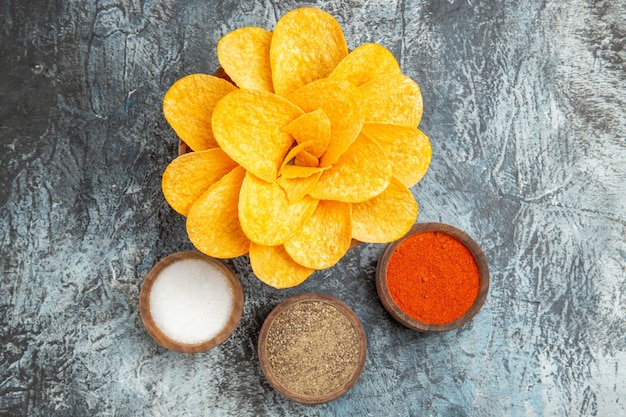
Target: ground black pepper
312,348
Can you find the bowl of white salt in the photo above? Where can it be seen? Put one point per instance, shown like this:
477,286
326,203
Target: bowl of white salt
190,302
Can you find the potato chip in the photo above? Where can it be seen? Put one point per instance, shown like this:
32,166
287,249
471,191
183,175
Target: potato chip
365,63
313,126
392,98
190,175
213,224
341,101
297,171
297,187
188,106
324,238
245,56
407,147
361,173
266,216
293,152
305,159
295,180
273,266
307,45
247,125
386,217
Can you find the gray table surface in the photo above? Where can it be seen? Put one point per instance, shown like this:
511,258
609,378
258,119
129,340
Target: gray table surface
524,105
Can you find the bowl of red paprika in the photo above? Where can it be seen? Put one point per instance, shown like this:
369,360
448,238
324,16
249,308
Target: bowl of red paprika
434,279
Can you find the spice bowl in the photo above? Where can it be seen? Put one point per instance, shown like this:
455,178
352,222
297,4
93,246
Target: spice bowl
312,348
190,302
434,279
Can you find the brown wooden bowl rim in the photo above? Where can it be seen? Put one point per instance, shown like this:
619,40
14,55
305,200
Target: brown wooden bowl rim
399,315
164,340
262,344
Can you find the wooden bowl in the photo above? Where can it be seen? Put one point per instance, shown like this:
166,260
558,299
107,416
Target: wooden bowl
266,363
171,344
395,311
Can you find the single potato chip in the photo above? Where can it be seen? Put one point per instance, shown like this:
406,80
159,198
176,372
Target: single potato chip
307,45
213,224
305,159
311,127
293,152
386,217
273,266
365,63
407,147
324,238
297,187
266,216
245,56
392,98
248,127
188,106
187,177
361,173
341,101
297,171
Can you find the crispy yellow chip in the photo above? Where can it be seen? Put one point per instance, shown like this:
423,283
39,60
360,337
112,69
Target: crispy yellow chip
297,187
392,98
365,63
361,173
313,126
187,177
297,171
305,159
341,101
324,238
297,181
273,266
307,45
188,106
266,216
386,217
245,56
293,152
407,147
213,225
248,127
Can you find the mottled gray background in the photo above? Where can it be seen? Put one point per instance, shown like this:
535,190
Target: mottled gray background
524,104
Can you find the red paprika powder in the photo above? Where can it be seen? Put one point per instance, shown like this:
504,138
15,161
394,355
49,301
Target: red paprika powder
432,277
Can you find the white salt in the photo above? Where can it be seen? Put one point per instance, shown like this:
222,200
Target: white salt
191,301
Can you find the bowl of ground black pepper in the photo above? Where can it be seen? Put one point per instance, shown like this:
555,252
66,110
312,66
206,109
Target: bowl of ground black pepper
312,348
434,279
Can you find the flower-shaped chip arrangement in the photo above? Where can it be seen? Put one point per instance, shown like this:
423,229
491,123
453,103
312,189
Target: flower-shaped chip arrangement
310,147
